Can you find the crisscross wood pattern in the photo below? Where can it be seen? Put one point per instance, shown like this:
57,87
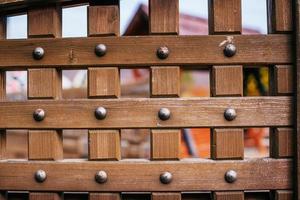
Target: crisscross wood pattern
189,178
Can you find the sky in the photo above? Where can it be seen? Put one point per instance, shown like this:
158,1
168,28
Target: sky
254,16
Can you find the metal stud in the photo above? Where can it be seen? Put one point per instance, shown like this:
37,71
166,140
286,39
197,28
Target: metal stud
100,113
230,114
40,176
100,50
162,52
164,114
101,177
166,178
230,50
230,176
38,53
39,115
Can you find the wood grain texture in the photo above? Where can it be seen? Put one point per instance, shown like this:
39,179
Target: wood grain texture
283,195
166,196
280,16
297,114
228,195
103,21
283,76
45,145
104,196
133,176
44,83
165,81
227,144
104,145
225,16
2,27
164,16
165,144
2,144
141,51
44,22
104,82
44,196
185,112
227,81
281,141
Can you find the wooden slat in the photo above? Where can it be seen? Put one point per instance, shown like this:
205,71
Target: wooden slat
165,144
280,16
104,145
104,82
44,196
104,196
134,176
166,196
45,145
2,144
297,114
44,83
186,112
225,16
282,143
2,91
228,195
283,195
165,81
227,144
2,27
141,51
283,76
227,81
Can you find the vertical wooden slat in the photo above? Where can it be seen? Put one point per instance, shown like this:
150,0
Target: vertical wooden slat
283,80
103,20
283,195
165,82
280,16
225,17
297,82
281,143
46,84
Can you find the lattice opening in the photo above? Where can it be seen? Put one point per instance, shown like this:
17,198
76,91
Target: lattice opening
135,143
256,81
75,196
16,85
17,195
254,17
258,195
74,84
16,26
75,144
195,83
196,196
135,83
257,142
74,21
136,196
17,144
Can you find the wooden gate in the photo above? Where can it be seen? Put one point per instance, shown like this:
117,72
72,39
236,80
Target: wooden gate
104,175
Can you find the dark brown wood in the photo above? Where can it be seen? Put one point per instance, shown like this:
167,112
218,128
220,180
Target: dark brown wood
166,196
188,175
280,16
44,196
297,136
283,79
228,195
104,196
141,51
283,195
185,112
282,143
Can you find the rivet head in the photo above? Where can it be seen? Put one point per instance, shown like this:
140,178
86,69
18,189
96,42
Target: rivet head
100,50
230,114
101,177
164,114
38,53
162,52
166,178
40,176
100,113
39,115
230,176
230,50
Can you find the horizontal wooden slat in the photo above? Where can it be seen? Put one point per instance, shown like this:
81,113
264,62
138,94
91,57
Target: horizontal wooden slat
188,175
185,112
141,51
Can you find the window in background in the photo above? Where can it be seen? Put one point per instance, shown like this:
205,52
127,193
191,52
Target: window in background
16,27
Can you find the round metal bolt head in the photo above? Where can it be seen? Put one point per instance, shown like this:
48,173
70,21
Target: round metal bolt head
39,115
40,176
101,177
162,52
230,176
164,114
100,50
230,50
230,114
100,113
38,53
166,178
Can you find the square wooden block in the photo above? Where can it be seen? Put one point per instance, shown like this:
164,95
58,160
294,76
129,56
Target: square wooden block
282,143
230,195
283,80
227,81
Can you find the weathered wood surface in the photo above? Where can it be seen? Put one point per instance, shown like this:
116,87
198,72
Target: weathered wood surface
188,175
141,51
189,112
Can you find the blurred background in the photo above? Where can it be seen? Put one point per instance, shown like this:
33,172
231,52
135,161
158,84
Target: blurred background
135,82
